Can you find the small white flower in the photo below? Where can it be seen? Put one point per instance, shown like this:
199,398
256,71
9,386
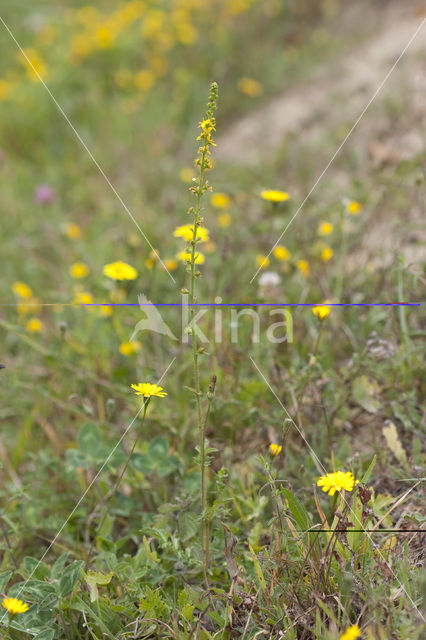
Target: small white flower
269,279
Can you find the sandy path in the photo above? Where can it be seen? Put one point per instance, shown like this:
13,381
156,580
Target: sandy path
339,91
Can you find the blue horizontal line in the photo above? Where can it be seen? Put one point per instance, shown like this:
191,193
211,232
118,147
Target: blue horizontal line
253,304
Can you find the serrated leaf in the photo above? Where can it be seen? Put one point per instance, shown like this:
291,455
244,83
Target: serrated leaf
189,525
392,440
365,392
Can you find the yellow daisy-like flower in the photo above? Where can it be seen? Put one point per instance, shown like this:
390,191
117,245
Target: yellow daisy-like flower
275,449
224,220
186,232
73,231
303,267
220,201
186,174
250,87
170,264
83,297
22,290
262,261
281,253
34,325
325,228
13,605
185,256
129,348
326,254
351,633
321,311
273,195
148,390
337,481
120,271
79,270
105,311
353,207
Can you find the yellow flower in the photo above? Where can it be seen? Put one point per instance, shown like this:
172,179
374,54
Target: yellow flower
34,325
275,449
274,196
128,348
13,605
79,270
207,125
144,79
325,228
281,253
250,87
170,264
35,65
73,231
321,311
262,261
337,481
120,271
224,220
303,267
351,633
147,390
326,254
186,231
220,201
186,174
185,256
353,207
83,297
22,290
105,310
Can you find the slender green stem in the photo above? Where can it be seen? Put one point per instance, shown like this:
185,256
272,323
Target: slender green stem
205,530
402,310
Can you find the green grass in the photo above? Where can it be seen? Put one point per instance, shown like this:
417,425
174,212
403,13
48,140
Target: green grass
97,558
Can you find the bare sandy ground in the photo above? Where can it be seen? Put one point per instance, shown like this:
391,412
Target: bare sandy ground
335,97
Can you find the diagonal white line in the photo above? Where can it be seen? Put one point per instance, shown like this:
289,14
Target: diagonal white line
85,147
330,162
82,497
318,461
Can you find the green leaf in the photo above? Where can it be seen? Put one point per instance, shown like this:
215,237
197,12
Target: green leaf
93,578
365,392
31,567
366,477
69,578
89,440
189,525
59,565
4,579
297,509
46,634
